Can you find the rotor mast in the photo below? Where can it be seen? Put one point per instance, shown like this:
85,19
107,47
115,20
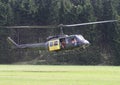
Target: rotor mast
61,31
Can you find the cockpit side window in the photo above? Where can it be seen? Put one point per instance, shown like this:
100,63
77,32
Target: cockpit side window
51,44
69,39
74,41
55,43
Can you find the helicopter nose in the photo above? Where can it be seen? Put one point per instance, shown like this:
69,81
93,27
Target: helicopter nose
86,42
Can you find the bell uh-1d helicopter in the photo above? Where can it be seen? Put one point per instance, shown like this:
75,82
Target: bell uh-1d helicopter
59,42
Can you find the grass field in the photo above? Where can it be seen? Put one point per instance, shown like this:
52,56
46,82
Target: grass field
59,75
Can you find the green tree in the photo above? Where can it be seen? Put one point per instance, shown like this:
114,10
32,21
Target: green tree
4,49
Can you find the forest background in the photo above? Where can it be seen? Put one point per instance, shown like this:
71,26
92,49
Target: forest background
104,38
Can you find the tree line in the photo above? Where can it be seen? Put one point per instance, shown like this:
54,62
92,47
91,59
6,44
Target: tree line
104,38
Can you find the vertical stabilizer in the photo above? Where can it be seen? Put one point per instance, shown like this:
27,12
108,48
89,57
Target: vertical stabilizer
13,43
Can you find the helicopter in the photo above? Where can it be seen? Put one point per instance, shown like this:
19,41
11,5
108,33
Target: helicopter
58,42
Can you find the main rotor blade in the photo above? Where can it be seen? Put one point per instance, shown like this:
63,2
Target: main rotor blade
29,26
61,25
90,23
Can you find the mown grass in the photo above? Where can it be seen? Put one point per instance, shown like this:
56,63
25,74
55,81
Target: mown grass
59,75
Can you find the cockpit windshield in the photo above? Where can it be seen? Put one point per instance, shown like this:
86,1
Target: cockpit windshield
80,37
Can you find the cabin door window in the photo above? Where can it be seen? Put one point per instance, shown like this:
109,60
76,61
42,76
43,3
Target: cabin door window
54,45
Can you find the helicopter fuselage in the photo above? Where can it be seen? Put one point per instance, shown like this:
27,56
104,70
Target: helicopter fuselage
67,42
56,43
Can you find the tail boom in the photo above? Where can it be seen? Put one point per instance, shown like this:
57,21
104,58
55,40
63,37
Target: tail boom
41,46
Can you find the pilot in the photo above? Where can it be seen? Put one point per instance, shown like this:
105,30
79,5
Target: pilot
74,42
